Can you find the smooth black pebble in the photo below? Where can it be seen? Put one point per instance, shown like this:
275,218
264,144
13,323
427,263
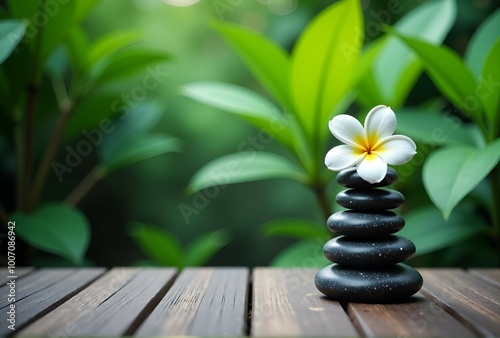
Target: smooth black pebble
387,285
367,257
368,252
373,200
350,178
366,224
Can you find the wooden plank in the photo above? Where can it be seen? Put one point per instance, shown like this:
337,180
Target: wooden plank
491,276
80,306
286,303
474,302
113,305
5,276
417,317
202,302
44,290
35,282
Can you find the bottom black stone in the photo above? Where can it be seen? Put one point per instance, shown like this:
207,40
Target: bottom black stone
392,284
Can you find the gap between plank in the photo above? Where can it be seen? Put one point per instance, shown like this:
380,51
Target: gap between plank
452,312
357,325
248,323
151,306
58,303
443,303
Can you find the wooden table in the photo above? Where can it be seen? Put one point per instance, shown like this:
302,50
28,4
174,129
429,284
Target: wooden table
239,302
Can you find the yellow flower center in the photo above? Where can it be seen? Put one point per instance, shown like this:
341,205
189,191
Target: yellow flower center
368,144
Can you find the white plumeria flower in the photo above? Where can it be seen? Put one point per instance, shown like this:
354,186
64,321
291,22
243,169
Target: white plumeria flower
370,148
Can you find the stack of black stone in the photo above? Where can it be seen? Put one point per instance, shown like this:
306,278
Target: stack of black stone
367,256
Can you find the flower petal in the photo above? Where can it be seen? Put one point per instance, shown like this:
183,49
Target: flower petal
396,149
342,157
372,168
347,129
379,123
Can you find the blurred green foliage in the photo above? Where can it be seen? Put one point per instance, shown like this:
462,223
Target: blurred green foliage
320,79
96,62
165,248
56,59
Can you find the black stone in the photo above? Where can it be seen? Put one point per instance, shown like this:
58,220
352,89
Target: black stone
387,285
349,178
373,200
371,253
358,223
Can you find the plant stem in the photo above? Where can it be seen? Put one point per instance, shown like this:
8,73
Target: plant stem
29,130
85,185
18,141
495,216
50,153
320,192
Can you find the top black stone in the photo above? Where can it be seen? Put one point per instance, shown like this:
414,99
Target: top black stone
349,178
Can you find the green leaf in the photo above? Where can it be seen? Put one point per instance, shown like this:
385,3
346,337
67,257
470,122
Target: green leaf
157,243
60,19
22,9
368,92
368,56
490,89
94,111
47,22
448,72
138,120
17,72
267,61
11,32
233,99
397,65
244,167
128,62
242,102
303,254
202,248
429,232
406,84
55,228
324,62
297,228
449,174
140,148
480,43
57,63
433,128
83,7
112,42
77,45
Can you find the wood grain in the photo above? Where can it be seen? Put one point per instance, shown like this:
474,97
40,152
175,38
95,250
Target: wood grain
34,282
286,303
44,290
416,318
491,276
112,306
20,272
202,302
472,301
215,302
